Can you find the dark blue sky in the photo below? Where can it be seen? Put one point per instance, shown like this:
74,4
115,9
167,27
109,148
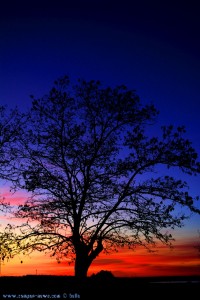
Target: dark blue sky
150,46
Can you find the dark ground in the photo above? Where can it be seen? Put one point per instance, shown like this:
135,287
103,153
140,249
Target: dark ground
64,287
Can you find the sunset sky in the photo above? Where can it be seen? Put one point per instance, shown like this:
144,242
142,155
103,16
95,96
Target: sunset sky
150,46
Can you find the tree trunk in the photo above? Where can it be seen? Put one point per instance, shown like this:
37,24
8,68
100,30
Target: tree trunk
84,259
82,263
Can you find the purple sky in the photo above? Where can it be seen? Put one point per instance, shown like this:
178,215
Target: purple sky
150,46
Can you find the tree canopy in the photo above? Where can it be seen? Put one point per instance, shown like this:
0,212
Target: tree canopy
85,154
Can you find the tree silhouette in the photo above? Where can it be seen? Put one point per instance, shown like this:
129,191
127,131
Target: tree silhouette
9,125
87,155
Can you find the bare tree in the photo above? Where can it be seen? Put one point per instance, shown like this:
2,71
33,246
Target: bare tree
87,155
9,125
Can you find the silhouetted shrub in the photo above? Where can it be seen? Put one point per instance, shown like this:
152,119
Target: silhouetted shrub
103,274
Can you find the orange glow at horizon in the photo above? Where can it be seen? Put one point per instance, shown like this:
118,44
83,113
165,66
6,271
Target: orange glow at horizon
182,260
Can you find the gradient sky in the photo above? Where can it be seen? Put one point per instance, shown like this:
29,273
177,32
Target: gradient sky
150,46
